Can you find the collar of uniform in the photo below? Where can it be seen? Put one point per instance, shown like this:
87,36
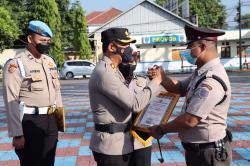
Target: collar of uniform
28,53
108,61
207,66
31,57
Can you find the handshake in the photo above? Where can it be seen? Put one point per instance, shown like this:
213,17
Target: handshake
156,73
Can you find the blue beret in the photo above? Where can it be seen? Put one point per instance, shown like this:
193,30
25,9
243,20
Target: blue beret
40,28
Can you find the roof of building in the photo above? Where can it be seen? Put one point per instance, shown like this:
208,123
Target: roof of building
92,15
102,17
141,2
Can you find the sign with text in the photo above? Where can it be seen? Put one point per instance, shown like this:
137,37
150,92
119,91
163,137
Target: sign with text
158,111
163,39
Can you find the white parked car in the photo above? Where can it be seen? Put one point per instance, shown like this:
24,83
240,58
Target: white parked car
74,68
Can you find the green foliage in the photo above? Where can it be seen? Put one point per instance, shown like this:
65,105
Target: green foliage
47,11
161,2
8,29
211,13
66,31
79,26
245,21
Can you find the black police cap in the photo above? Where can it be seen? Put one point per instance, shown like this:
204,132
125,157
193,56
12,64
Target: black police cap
198,33
117,34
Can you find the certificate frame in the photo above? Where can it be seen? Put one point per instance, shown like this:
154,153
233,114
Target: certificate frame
168,101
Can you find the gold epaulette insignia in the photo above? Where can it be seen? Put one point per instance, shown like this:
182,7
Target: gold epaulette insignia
113,66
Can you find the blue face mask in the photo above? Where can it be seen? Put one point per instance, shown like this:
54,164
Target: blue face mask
187,54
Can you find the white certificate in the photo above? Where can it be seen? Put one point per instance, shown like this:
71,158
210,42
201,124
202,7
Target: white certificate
155,111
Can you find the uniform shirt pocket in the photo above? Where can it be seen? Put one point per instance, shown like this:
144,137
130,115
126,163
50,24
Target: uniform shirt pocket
55,80
36,82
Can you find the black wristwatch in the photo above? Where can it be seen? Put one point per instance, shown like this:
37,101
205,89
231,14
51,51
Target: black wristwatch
17,137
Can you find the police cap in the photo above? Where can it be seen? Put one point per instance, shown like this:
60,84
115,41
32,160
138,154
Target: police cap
120,35
40,28
198,33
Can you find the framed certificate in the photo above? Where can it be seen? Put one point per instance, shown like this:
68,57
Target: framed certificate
158,111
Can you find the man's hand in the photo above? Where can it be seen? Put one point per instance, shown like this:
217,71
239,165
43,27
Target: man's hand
18,142
156,131
157,73
152,72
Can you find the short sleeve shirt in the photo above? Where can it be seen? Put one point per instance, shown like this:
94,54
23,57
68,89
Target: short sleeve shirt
203,102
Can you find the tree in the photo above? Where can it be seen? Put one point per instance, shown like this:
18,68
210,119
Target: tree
8,29
211,14
66,31
18,13
47,11
79,26
245,21
161,2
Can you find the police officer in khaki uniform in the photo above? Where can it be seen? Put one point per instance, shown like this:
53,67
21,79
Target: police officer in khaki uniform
31,93
202,123
141,155
112,102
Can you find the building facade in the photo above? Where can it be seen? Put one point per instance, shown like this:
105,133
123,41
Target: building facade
160,36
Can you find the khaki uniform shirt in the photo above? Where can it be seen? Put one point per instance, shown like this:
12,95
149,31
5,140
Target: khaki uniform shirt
112,102
202,102
40,87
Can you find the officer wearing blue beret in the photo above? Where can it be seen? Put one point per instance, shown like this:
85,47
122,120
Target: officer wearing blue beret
31,94
202,123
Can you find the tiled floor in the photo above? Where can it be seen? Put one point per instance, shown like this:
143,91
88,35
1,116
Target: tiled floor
73,145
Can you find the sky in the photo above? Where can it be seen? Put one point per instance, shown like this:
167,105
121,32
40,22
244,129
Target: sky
101,5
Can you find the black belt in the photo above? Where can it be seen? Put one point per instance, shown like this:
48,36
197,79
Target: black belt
200,146
113,127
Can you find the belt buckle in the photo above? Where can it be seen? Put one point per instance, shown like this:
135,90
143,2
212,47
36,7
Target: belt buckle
51,110
36,111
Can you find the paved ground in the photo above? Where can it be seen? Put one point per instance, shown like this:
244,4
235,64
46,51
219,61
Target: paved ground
73,144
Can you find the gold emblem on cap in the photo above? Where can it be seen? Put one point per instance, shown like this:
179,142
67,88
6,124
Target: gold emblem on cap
126,33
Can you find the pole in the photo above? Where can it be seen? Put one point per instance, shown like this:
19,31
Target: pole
96,54
159,145
240,55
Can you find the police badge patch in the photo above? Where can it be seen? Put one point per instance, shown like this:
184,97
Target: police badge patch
12,67
203,93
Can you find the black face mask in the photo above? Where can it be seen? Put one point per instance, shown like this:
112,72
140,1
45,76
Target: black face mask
43,48
127,70
126,53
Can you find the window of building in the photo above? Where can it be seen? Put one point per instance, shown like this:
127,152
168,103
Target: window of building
225,52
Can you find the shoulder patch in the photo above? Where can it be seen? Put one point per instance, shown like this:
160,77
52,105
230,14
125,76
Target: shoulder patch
12,67
206,86
203,93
